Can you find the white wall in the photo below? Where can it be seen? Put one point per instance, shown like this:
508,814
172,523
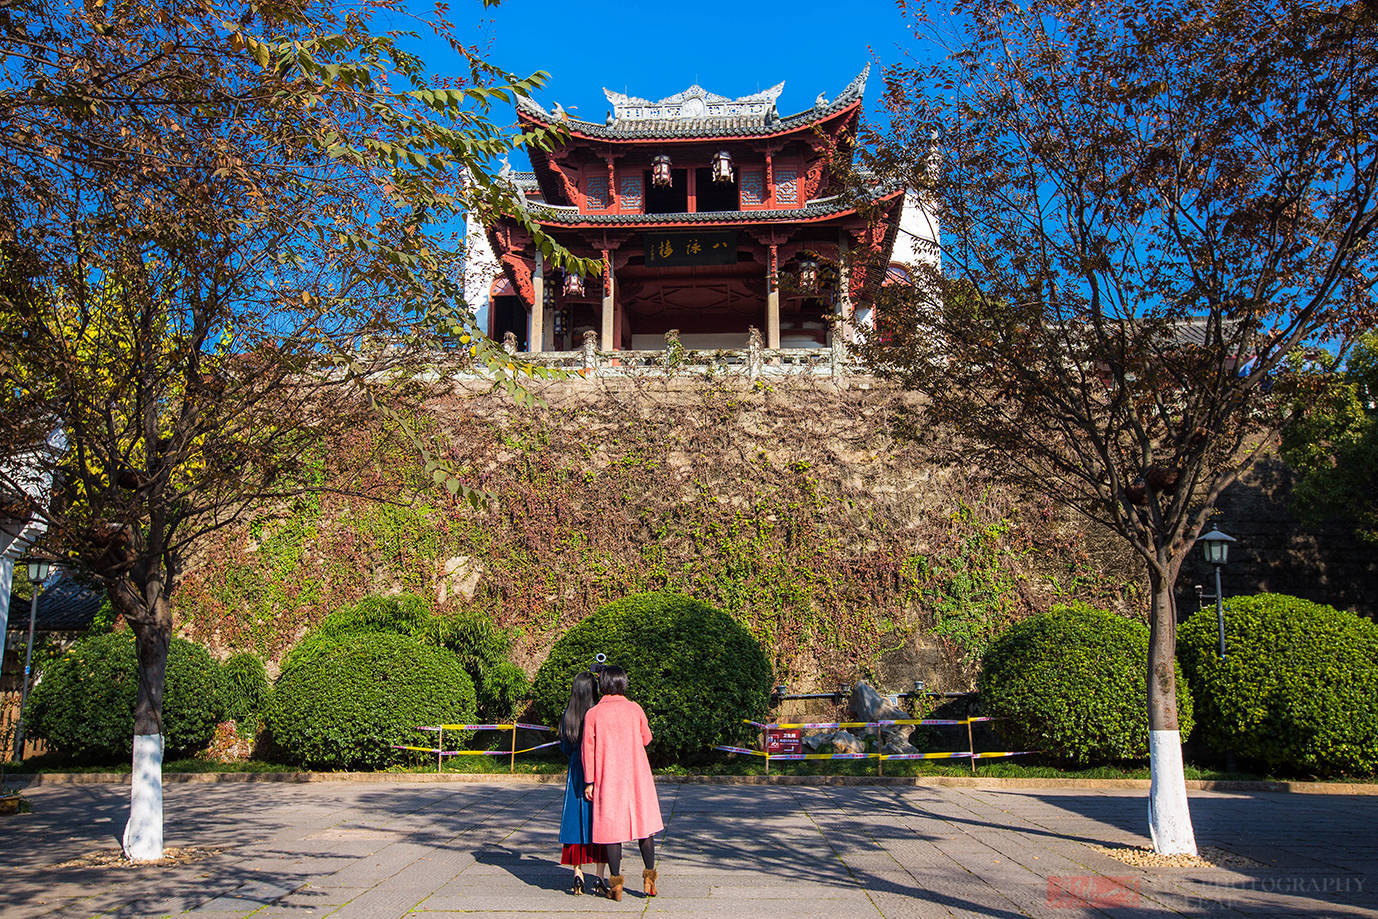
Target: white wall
918,239
480,269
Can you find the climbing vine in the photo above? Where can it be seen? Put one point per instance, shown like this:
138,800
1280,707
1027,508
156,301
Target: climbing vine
788,506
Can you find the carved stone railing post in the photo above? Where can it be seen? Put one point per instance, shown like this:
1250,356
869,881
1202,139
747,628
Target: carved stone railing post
509,342
590,351
837,356
755,360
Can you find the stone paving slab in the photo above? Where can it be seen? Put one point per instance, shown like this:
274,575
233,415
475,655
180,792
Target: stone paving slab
430,851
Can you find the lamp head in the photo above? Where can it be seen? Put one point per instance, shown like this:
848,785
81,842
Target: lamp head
1216,546
38,570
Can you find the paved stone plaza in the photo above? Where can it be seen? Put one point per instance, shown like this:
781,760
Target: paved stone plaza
382,850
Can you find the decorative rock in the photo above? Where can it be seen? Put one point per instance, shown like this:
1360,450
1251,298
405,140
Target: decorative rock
459,577
868,705
896,744
816,741
846,742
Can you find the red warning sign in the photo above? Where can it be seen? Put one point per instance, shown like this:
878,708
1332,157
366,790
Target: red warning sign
780,742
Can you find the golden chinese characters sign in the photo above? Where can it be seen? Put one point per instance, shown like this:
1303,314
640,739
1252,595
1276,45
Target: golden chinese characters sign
701,247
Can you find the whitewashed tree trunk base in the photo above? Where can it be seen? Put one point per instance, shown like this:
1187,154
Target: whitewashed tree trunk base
1169,817
143,834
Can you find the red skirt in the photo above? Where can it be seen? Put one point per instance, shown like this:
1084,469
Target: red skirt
584,854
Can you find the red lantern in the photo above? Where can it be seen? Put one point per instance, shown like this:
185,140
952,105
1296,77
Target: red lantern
808,276
574,285
660,172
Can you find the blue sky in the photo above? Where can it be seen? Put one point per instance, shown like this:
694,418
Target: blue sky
631,47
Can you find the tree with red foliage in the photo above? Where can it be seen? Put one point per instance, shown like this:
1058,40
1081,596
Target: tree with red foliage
1145,209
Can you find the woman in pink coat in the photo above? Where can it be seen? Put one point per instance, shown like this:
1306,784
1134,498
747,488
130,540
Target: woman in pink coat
618,780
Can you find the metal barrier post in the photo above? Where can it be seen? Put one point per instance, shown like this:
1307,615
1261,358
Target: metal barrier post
765,746
440,750
972,745
512,761
880,761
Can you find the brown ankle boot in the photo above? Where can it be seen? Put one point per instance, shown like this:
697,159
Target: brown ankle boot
615,883
648,881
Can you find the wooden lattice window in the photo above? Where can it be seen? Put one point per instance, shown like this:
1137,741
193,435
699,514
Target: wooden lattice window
596,193
753,187
629,189
786,186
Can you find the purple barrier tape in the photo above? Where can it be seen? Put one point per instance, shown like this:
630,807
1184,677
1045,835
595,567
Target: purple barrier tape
835,725
795,757
553,743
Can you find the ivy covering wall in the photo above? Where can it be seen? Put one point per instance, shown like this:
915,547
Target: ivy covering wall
824,518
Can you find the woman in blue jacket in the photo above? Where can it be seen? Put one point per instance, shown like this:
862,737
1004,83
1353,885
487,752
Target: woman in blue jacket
576,823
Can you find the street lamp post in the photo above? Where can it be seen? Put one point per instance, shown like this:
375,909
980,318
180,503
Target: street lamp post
1217,548
38,573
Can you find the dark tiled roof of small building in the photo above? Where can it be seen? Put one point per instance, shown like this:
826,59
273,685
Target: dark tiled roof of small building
65,605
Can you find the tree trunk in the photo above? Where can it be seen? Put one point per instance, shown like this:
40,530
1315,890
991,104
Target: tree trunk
143,834
1169,817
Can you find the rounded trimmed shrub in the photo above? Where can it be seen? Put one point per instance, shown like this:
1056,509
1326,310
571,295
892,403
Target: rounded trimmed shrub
693,668
403,614
246,688
1072,683
501,687
1297,690
83,705
349,702
481,645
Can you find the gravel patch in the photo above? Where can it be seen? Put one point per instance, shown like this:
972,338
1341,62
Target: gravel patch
1208,857
114,858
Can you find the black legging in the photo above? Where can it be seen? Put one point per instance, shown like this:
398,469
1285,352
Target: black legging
648,854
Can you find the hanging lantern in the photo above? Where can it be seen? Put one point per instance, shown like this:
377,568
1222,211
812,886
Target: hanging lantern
808,276
722,166
574,285
560,322
548,294
660,172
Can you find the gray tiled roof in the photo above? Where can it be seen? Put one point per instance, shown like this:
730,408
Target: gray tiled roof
736,126
821,207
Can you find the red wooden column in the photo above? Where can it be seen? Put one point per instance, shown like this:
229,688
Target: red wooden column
609,304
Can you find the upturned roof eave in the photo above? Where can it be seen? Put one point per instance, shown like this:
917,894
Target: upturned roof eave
736,218
785,127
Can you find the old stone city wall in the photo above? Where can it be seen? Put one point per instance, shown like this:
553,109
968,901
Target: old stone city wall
804,507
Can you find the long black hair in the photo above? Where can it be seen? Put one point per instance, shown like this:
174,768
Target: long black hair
583,695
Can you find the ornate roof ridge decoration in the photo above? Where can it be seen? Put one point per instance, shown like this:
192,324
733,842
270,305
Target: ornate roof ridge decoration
694,102
687,125
855,89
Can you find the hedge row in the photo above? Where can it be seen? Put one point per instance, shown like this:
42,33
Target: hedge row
84,704
1296,693
1297,690
1073,684
694,669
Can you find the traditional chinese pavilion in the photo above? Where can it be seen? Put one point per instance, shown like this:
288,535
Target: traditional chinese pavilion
709,215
